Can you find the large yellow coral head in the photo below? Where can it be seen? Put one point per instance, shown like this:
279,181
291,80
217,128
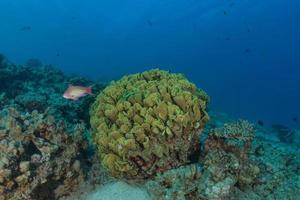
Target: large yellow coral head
147,123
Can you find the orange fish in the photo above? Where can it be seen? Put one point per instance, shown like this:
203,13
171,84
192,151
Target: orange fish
75,92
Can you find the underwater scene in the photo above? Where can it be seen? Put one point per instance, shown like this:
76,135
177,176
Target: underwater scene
149,100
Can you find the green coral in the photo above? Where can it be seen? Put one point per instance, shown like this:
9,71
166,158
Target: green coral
147,123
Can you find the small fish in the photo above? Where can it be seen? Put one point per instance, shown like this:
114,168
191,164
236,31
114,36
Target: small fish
247,50
225,12
75,92
295,119
261,123
149,22
25,28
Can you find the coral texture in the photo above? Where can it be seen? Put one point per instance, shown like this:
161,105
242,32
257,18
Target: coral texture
179,183
44,152
235,165
148,123
223,167
35,86
38,158
232,137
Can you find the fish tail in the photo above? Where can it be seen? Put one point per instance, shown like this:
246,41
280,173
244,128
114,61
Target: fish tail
89,90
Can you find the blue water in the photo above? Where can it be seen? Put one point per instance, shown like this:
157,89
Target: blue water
244,53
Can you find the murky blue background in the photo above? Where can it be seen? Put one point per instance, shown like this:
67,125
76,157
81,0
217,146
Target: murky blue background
244,53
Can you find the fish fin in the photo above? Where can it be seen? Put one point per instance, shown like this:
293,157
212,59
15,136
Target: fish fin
75,98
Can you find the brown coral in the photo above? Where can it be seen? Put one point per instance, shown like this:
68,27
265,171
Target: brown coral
222,170
148,123
227,151
232,137
38,159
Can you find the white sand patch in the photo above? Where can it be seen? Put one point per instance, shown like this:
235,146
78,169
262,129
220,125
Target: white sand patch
119,191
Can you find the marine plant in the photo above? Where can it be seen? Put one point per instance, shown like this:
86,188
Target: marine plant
147,123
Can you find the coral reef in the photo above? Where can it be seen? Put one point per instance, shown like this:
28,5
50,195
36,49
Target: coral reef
45,151
279,163
96,179
35,86
148,123
234,165
38,158
223,167
235,138
179,183
226,161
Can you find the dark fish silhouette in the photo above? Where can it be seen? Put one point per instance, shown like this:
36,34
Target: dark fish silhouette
26,28
57,54
149,22
247,50
261,123
225,12
295,119
228,38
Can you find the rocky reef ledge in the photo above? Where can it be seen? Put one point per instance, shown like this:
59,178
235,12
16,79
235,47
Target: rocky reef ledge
46,150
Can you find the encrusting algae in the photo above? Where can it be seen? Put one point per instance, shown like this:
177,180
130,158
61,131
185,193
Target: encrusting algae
147,123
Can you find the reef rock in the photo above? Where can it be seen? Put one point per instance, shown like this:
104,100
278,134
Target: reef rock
35,86
223,166
38,158
234,164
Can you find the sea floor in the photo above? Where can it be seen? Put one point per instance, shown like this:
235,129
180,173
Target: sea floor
279,166
46,152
